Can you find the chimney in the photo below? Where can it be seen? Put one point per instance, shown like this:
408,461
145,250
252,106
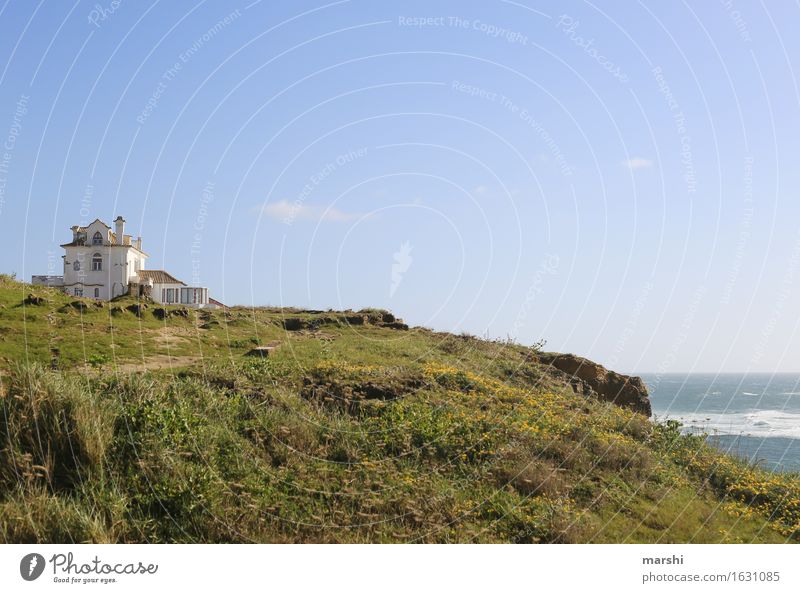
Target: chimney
139,243
120,223
74,230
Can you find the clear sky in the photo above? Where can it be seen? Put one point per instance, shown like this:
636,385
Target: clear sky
618,178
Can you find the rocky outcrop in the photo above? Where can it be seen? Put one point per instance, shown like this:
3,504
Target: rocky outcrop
35,300
260,351
137,309
163,313
594,380
347,319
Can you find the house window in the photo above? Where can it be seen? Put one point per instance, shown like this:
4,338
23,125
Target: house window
78,292
97,262
97,293
76,265
97,239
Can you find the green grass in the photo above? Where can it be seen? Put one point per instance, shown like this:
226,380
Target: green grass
348,432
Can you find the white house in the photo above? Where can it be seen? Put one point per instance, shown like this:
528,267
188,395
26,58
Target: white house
102,264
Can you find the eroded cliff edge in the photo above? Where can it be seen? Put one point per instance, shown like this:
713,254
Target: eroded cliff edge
594,380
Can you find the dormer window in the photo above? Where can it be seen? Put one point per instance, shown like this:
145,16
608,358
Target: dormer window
97,262
97,239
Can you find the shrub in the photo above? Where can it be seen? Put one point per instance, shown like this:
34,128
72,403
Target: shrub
97,360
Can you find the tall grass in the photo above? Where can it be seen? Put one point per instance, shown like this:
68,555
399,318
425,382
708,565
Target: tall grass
259,451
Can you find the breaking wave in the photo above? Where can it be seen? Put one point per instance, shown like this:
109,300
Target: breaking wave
761,423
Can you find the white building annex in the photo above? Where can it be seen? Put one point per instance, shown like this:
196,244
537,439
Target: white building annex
102,264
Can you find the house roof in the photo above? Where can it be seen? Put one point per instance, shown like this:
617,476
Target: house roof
159,277
96,220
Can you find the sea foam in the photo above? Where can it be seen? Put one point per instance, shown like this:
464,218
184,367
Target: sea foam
757,423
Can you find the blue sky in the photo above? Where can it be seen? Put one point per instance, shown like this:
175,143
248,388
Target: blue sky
618,178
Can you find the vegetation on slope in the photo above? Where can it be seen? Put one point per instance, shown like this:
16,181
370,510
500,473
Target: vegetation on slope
351,430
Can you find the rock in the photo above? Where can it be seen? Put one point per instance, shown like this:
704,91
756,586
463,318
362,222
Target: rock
137,309
396,325
293,324
117,310
262,351
356,319
78,305
163,312
592,379
388,318
35,300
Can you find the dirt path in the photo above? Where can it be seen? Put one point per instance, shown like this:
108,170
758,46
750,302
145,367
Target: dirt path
158,361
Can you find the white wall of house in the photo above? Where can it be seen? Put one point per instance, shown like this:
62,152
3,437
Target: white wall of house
100,268
166,293
180,294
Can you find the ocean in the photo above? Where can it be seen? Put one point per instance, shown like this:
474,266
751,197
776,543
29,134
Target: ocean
754,415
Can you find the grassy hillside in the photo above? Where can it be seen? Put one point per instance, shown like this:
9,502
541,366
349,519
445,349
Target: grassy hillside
122,423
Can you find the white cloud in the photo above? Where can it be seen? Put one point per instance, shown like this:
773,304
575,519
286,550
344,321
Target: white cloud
638,163
287,212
